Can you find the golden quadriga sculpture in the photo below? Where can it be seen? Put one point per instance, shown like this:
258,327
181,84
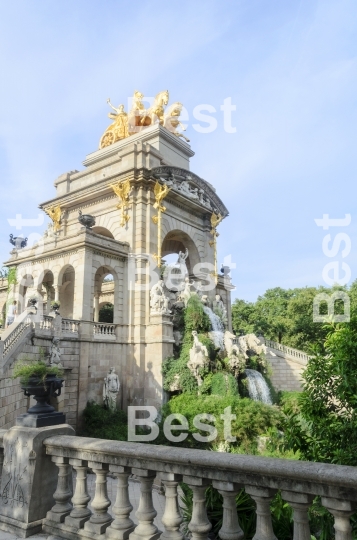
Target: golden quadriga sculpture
138,118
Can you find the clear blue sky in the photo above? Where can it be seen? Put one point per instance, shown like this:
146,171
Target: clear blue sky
289,66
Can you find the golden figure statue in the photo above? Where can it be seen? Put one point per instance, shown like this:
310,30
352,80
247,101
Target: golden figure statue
118,129
122,191
160,192
138,118
171,120
215,221
55,213
136,112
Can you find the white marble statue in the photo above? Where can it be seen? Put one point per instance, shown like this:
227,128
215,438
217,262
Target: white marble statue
236,352
111,389
198,358
181,262
55,353
159,301
185,292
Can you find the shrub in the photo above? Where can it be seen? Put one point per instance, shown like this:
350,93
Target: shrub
104,424
25,370
224,384
253,418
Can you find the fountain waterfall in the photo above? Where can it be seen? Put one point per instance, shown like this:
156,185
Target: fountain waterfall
257,387
217,325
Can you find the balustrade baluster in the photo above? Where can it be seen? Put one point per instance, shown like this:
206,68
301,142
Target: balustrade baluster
230,529
63,492
172,518
122,525
199,524
341,510
300,503
146,513
262,498
80,513
100,519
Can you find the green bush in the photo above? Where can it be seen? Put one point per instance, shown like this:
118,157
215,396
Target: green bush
224,384
253,418
26,369
102,423
195,317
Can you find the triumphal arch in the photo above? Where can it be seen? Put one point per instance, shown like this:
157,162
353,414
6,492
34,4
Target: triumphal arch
112,224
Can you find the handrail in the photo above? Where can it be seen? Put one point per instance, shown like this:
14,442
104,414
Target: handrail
288,350
210,464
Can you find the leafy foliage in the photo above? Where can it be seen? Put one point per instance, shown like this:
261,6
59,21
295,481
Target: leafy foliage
25,370
11,276
286,315
106,313
253,418
224,384
104,423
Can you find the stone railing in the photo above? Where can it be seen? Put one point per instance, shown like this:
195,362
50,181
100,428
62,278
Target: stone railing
46,323
13,336
289,351
298,481
70,326
104,330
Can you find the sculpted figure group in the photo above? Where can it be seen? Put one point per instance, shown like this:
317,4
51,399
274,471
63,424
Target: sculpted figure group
126,124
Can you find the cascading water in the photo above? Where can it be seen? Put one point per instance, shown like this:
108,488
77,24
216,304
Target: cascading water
217,325
257,387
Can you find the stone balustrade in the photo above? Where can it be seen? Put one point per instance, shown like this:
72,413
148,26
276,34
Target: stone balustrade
70,326
104,330
289,351
46,323
12,337
298,481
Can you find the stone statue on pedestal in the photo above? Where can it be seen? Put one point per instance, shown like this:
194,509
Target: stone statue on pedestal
181,262
159,302
55,353
111,389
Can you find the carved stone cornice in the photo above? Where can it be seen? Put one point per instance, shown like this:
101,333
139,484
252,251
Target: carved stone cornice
167,173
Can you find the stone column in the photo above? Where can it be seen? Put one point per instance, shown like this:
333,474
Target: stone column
146,513
230,529
341,510
262,498
300,503
199,525
122,525
96,307
172,518
29,479
100,519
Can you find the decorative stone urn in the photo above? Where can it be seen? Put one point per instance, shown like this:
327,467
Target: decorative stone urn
55,306
86,220
33,301
42,414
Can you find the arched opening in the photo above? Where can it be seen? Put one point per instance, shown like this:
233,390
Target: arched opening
66,291
106,312
180,256
104,291
102,231
26,290
48,291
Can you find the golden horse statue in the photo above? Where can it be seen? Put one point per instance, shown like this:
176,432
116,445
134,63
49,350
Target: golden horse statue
171,120
156,111
138,118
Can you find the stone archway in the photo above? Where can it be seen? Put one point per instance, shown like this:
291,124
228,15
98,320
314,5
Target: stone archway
104,290
66,283
176,241
103,232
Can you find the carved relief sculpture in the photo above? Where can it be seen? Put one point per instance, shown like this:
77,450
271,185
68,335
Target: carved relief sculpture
159,301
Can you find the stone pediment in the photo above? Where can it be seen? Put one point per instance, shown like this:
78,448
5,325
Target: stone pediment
192,187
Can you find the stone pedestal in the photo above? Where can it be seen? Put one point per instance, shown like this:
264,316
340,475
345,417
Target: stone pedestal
29,479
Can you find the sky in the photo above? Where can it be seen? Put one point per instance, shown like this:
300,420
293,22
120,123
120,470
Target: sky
289,67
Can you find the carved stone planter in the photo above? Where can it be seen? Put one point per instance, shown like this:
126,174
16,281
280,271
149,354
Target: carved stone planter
42,414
